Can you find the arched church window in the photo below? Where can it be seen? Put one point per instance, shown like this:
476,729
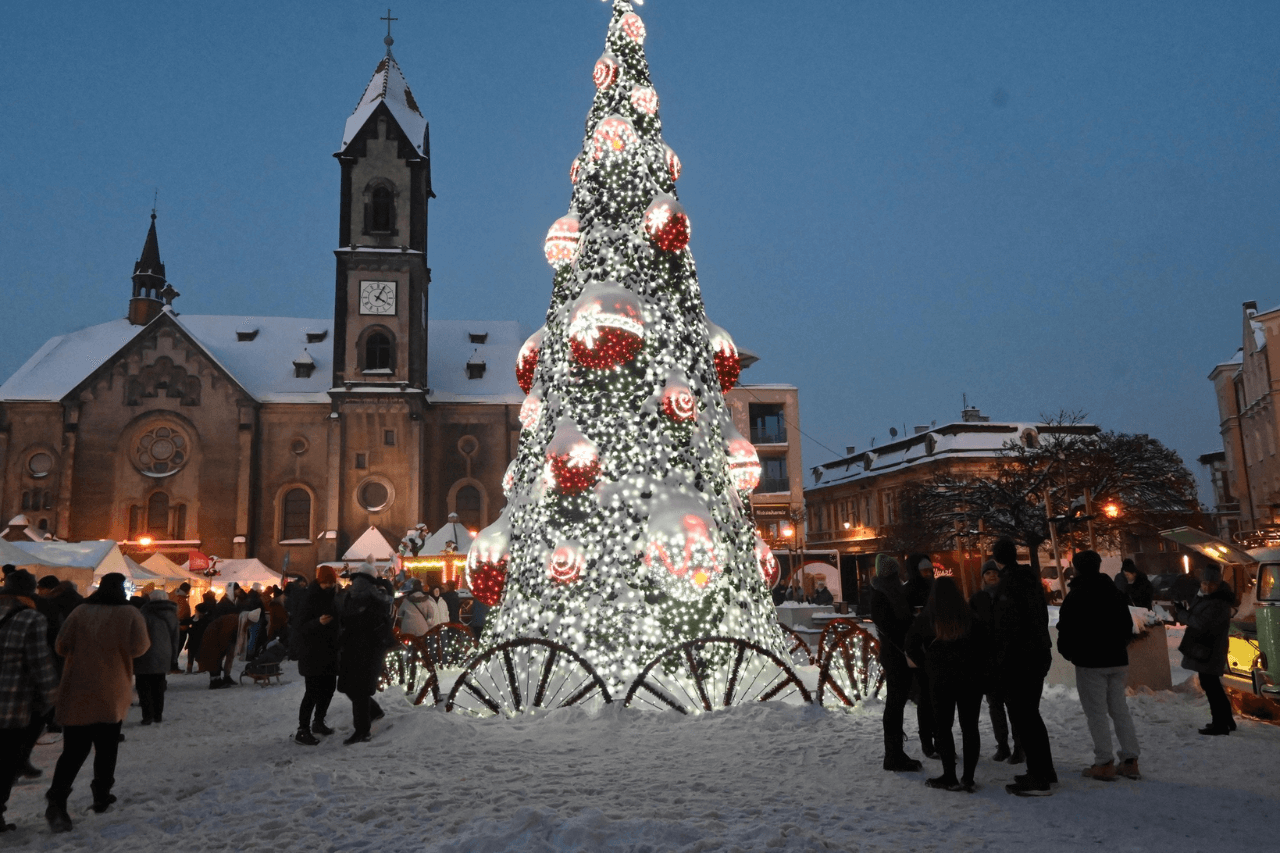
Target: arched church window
381,210
295,515
469,507
158,515
378,352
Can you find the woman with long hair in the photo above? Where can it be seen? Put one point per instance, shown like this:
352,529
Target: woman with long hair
948,643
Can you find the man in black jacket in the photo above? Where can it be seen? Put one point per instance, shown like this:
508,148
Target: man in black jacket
891,614
1023,655
1094,630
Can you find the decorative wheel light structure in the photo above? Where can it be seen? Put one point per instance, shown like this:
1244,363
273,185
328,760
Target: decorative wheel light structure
848,665
522,676
714,672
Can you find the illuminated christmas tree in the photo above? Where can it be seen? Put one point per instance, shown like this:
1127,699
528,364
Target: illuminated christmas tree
626,530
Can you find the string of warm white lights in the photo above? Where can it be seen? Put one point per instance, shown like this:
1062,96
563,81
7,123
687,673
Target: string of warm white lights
626,530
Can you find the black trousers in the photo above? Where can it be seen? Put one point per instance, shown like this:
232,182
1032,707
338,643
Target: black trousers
924,709
318,695
1022,699
151,695
967,701
11,761
1219,704
77,741
999,721
898,684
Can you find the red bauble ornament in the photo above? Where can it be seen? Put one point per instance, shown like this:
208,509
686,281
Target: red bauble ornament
606,327
744,462
666,224
644,99
683,550
606,71
573,458
678,402
567,562
561,245
767,563
575,171
725,357
633,27
673,163
487,561
613,136
531,410
527,360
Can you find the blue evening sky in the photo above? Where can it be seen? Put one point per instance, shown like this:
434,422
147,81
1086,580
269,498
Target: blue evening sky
1039,205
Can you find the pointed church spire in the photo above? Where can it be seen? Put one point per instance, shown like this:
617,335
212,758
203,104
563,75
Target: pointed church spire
389,87
151,292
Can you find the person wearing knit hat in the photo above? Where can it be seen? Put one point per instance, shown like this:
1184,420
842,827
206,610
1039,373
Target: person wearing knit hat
891,614
1204,644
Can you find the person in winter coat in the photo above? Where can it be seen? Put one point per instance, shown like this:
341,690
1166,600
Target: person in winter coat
28,680
1094,630
437,607
1204,645
952,646
218,649
295,596
317,650
181,598
891,614
982,603
200,620
452,601
1024,653
99,643
1138,588
414,616
161,616
366,635
821,595
918,578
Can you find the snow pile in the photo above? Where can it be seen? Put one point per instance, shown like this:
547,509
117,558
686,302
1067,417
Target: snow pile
222,772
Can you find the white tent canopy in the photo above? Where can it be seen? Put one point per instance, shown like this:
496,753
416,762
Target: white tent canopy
372,546
244,573
101,555
162,566
451,532
10,553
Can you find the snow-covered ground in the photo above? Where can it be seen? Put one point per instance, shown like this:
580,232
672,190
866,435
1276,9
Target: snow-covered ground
222,772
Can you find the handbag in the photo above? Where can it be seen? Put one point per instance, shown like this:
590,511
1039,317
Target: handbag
1197,645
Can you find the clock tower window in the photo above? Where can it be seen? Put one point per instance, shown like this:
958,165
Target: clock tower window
379,352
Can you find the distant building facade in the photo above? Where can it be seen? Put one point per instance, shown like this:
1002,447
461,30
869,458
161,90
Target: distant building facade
769,417
1246,478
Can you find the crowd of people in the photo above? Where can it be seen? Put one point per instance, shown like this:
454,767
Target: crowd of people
948,654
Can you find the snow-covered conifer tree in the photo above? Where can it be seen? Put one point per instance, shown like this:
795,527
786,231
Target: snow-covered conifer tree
627,528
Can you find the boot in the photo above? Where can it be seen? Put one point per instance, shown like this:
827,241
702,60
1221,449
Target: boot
56,813
1002,753
357,737
102,796
1018,757
305,737
945,782
320,728
1101,772
1129,769
901,764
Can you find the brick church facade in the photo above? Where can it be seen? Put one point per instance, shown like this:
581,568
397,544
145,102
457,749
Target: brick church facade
260,436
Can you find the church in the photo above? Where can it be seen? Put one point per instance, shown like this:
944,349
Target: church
290,438
243,436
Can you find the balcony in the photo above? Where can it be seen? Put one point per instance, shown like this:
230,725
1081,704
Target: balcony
777,435
773,485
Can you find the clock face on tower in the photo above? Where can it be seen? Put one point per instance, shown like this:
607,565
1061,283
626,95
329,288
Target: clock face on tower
377,297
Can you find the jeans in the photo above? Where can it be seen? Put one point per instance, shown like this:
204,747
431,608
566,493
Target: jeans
1102,696
1022,699
77,741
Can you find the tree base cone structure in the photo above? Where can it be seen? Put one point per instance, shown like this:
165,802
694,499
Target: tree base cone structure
627,530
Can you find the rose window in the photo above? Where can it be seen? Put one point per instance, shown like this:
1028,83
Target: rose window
161,452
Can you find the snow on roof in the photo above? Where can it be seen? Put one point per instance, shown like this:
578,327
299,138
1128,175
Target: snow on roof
956,440
388,86
454,531
371,544
10,553
450,348
265,364
101,555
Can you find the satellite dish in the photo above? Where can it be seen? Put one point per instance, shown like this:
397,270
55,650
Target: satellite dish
893,432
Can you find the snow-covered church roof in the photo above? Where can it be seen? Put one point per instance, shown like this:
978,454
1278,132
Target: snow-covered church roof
389,87
260,353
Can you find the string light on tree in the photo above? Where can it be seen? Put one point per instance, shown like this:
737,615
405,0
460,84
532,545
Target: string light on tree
574,459
673,163
645,99
531,410
683,552
567,562
613,136
633,27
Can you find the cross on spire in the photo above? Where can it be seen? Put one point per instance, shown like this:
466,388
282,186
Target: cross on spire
388,41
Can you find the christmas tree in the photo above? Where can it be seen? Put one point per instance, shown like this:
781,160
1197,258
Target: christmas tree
627,527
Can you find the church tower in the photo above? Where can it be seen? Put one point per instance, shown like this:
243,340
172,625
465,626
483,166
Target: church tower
378,395
151,292
380,310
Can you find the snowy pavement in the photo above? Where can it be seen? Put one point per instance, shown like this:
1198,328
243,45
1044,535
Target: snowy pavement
222,772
